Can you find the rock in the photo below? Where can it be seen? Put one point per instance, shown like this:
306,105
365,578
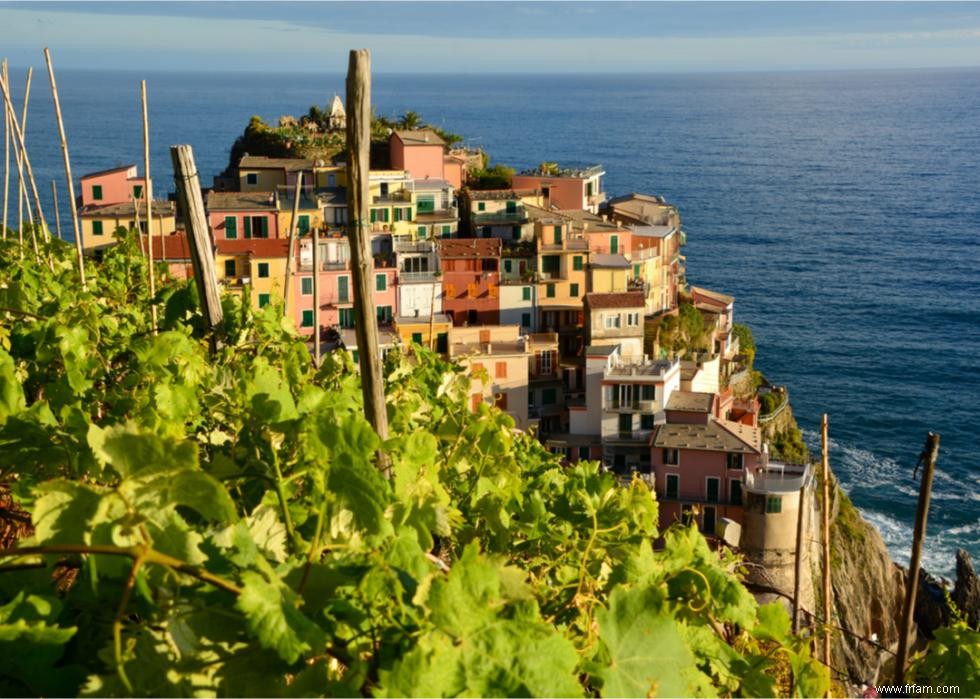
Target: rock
966,593
931,610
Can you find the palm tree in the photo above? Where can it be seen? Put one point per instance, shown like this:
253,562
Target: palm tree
410,120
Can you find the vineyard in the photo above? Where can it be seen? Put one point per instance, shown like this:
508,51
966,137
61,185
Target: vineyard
214,524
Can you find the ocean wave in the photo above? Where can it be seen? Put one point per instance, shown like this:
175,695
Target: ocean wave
937,551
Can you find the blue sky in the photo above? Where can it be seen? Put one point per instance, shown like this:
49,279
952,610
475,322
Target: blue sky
580,37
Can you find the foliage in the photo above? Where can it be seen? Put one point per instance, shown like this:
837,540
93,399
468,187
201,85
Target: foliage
292,141
953,658
684,333
496,177
746,342
788,445
232,536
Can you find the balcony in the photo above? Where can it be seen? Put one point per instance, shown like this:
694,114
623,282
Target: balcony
631,406
551,276
596,199
631,436
483,218
777,478
423,246
400,196
417,277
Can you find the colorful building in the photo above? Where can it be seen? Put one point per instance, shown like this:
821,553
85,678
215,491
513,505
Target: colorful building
420,153
566,188
437,215
430,332
310,214
470,280
615,319
243,215
120,185
497,357
257,265
257,173
100,222
500,213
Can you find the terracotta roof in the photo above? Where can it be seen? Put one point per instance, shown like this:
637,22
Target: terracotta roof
614,261
256,247
625,299
421,137
712,297
469,247
236,201
261,162
100,173
690,401
716,435
536,213
160,208
174,245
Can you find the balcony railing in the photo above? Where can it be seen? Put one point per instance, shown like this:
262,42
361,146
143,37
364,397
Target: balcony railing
776,478
487,217
409,277
399,196
631,406
416,246
596,199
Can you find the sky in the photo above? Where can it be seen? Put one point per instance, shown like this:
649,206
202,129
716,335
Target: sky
497,37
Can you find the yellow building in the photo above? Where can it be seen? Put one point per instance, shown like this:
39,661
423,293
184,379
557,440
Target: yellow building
310,213
99,223
420,330
257,173
562,267
257,263
608,274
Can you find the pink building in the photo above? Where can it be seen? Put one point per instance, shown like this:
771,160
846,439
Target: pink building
420,153
243,215
567,188
699,469
117,186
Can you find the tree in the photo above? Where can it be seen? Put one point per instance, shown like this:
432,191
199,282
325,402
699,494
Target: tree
410,121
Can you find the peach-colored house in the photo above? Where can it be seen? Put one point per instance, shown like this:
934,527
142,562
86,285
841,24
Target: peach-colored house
243,215
703,466
420,153
566,188
116,186
497,357
471,280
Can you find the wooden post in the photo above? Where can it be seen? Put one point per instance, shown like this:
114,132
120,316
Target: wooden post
148,199
432,312
825,477
71,185
929,455
57,214
358,203
191,203
316,297
18,159
6,151
797,572
292,247
136,225
22,186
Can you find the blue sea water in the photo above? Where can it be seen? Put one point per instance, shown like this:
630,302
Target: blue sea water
842,210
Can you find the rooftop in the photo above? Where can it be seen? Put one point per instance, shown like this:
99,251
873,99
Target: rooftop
590,222
419,319
624,299
261,162
500,194
160,208
712,297
496,348
690,401
256,247
307,199
615,261
652,231
574,172
421,137
236,201
469,247
639,366
427,184
100,173
536,213
173,247
716,435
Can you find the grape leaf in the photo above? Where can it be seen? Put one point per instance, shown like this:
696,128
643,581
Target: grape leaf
273,617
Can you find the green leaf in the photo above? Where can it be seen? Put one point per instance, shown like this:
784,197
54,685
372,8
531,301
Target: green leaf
30,644
647,656
11,394
275,620
64,512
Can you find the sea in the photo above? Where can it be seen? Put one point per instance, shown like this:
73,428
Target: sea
840,209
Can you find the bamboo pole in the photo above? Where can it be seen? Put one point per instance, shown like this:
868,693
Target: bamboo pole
57,214
825,477
316,297
22,187
358,192
136,225
798,564
12,119
292,245
148,199
929,455
6,152
79,243
191,203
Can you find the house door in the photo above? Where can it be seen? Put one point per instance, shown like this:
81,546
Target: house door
709,520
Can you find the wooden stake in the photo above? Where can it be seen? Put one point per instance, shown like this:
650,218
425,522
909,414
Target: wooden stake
148,199
12,119
316,297
358,204
136,226
23,198
797,572
825,477
929,455
432,314
292,246
57,214
191,203
6,151
79,243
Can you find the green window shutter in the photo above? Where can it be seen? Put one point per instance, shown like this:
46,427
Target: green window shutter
97,192
526,293
588,189
447,230
557,235
577,263
511,207
526,320
398,213
347,317
421,231
263,300
481,206
384,314
137,191
551,291
248,227
304,224
306,286
355,356
417,338
374,215
97,228
507,266
263,270
230,268
408,214
264,227
614,244
231,227
343,289
636,270
308,318
384,215
426,204
574,290
380,282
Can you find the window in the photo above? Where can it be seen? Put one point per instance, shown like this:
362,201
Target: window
574,291
97,228
501,370
735,492
488,264
610,320
308,318
735,461
712,489
549,396
708,521
229,268
447,230
347,317
137,191
512,207
384,314
526,293
408,214
648,392
260,226
304,224
263,270
588,189
508,266
632,319
546,363
673,486
231,227
625,425
557,235
613,244
774,505
355,356
343,289
550,291
398,213
577,263
252,178
306,286
471,290
515,233
422,232
426,204
671,457
263,300
583,453
481,206
380,282
97,191
646,422
526,320
417,338
442,343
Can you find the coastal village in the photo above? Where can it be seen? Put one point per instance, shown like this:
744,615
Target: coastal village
565,305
